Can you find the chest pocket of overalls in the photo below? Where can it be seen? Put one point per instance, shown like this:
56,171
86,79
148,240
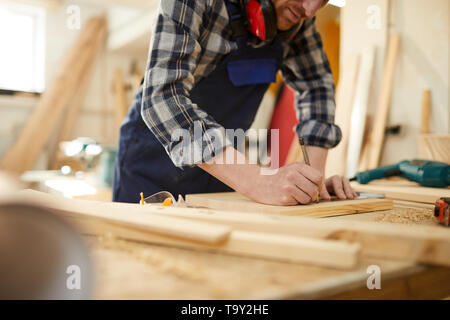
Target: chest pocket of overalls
252,71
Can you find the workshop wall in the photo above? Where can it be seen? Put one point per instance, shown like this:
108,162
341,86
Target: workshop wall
423,62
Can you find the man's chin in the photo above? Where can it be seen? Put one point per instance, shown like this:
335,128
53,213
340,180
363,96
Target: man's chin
284,27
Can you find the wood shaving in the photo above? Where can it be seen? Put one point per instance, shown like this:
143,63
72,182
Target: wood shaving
177,267
409,216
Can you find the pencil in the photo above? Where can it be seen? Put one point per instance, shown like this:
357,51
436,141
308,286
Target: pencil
306,158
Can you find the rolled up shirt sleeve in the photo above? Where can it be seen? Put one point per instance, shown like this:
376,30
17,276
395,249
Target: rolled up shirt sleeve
307,70
189,135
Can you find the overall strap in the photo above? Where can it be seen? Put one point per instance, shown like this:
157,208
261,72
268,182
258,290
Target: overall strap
238,23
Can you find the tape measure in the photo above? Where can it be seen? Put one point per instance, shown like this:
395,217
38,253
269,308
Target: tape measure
441,211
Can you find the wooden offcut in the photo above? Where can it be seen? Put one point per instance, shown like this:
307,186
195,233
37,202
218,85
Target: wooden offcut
25,151
434,147
232,201
426,110
376,138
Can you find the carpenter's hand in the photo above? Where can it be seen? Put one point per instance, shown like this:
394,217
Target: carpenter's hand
292,184
339,186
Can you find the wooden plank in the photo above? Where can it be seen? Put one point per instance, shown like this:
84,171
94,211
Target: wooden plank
73,110
130,215
407,193
359,111
336,160
326,253
426,109
423,244
133,222
364,158
435,147
376,138
131,270
36,133
232,201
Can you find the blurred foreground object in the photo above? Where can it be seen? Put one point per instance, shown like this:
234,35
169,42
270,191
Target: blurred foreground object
43,256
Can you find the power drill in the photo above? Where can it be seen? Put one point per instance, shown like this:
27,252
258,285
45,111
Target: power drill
426,173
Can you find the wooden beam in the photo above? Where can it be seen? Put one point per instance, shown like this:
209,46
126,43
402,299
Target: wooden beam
136,222
359,111
336,160
74,107
133,216
27,148
419,244
325,253
435,147
376,138
426,109
232,201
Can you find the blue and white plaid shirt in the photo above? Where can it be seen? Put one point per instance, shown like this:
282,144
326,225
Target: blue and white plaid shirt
191,37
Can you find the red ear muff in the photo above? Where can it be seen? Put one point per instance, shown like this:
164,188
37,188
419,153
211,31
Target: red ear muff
262,19
256,19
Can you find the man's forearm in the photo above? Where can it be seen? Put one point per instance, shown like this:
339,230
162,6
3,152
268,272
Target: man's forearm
240,175
237,174
290,185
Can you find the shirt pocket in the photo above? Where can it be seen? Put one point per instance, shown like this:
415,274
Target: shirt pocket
251,72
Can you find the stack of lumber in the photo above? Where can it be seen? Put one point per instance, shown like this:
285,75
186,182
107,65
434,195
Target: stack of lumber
362,144
321,242
371,156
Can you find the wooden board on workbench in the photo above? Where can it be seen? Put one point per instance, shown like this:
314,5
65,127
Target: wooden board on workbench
232,201
130,270
413,193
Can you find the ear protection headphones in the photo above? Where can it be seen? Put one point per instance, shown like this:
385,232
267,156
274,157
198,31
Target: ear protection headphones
261,17
262,20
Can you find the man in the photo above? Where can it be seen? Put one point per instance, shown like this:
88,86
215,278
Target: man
207,72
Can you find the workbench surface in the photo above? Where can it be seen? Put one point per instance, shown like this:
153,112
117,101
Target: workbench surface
130,270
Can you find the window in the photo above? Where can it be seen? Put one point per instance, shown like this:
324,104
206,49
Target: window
22,50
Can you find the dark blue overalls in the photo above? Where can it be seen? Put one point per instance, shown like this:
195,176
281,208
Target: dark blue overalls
231,94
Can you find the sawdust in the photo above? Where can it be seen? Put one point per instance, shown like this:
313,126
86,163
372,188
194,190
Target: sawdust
152,256
408,216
